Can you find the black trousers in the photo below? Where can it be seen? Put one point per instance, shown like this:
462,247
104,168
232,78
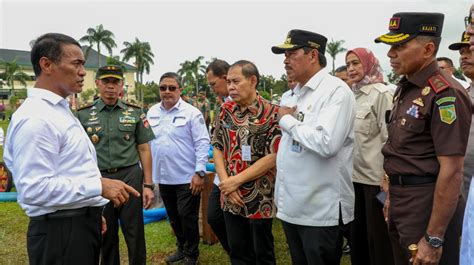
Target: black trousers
183,210
71,240
250,240
131,221
369,233
215,217
314,245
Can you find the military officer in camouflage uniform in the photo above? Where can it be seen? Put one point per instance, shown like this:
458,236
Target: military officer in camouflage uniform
120,134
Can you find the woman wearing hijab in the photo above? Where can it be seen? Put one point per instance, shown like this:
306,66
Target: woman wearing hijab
370,243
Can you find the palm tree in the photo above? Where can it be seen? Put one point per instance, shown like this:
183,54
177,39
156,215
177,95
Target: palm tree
143,55
334,48
13,72
99,36
192,71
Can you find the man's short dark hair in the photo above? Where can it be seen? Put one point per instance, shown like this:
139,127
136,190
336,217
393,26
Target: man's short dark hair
321,57
445,59
218,67
425,39
172,75
49,45
340,69
248,69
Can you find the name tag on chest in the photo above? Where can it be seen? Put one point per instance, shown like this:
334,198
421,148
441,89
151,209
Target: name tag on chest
246,153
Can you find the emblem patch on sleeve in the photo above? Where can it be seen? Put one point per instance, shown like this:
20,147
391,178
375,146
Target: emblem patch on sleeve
447,113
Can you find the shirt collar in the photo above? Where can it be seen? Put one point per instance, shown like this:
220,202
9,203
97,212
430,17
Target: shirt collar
177,106
253,108
100,104
419,78
314,81
47,95
366,89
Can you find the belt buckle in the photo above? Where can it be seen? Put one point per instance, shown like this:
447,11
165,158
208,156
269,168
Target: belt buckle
400,180
112,170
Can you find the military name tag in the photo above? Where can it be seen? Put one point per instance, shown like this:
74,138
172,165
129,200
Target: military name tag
246,154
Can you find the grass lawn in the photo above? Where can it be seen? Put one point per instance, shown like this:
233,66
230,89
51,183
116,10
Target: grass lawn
159,238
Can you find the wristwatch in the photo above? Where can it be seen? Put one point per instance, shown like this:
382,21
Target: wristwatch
201,173
150,186
434,241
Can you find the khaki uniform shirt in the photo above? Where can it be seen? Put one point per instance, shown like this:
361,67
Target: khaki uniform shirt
115,132
370,129
431,117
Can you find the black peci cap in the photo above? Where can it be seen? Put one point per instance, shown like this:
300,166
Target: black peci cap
297,38
464,42
405,26
109,71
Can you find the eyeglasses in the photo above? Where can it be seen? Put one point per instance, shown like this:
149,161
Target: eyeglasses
170,88
468,21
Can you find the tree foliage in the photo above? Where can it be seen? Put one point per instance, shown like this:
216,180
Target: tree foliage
99,36
333,48
393,78
193,74
12,72
142,54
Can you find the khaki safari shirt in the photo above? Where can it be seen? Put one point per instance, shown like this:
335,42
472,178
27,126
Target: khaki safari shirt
370,132
431,117
115,132
256,126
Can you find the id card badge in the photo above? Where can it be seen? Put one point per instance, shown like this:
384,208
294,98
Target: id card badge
246,155
296,147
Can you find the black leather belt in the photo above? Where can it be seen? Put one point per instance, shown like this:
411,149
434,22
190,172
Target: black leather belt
411,180
68,213
115,170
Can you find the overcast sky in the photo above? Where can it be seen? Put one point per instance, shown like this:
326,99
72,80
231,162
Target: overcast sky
183,30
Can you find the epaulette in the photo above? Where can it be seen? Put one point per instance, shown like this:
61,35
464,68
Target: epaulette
131,104
381,88
85,106
438,83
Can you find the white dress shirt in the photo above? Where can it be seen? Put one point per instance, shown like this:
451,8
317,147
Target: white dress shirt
52,160
181,143
311,183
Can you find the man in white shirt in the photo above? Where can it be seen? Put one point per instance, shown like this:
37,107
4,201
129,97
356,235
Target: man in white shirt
54,164
314,193
447,65
179,154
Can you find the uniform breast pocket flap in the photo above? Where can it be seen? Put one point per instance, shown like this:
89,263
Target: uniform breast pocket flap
362,121
126,127
179,121
412,124
154,122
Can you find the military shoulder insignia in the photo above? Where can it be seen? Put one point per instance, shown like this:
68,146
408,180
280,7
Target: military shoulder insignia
447,113
87,105
438,83
445,100
132,104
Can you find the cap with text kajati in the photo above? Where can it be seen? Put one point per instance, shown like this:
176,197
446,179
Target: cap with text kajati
109,71
458,45
297,38
405,26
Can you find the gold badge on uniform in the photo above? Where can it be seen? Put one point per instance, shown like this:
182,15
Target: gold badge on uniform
419,102
95,138
98,128
425,91
89,129
403,122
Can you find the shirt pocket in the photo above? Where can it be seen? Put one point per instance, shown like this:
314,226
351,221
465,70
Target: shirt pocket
362,121
179,127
